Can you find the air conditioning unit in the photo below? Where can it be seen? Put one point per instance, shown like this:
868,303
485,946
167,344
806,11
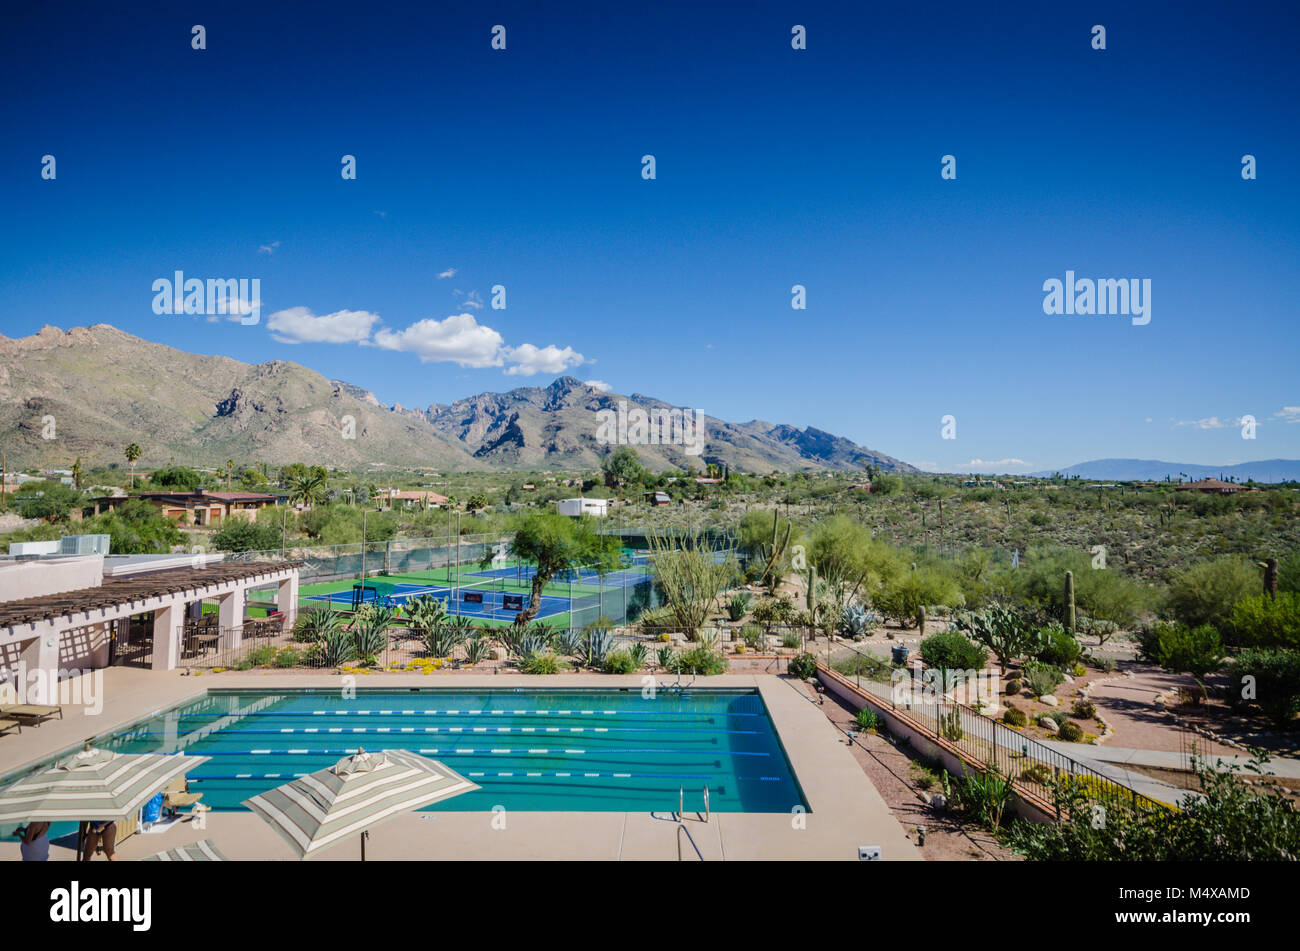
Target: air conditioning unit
84,544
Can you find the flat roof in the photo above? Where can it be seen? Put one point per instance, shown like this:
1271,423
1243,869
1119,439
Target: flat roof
124,590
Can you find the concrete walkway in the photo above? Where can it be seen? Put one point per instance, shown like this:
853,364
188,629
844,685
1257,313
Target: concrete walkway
1161,759
1128,705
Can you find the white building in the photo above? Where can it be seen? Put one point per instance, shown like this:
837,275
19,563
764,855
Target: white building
597,507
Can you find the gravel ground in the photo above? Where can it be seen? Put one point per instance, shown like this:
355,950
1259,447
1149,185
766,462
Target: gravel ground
947,838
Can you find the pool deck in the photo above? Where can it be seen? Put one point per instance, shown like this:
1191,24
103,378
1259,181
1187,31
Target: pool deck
845,810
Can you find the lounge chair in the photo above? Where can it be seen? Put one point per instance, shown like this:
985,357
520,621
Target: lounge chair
32,714
178,796
6,725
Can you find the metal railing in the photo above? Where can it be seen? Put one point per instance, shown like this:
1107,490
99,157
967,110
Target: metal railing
1032,766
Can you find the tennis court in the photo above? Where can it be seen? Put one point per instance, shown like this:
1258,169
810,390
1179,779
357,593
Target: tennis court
495,592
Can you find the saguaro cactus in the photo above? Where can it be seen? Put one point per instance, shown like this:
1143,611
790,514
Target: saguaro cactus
810,599
1069,601
920,620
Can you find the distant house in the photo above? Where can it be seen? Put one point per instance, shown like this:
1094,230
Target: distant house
704,480
1212,486
528,487
575,507
198,508
420,497
658,497
862,487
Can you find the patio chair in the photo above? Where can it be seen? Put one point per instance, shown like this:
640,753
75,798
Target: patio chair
7,725
32,714
177,796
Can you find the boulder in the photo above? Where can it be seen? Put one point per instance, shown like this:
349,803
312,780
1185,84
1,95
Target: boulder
1048,724
1050,700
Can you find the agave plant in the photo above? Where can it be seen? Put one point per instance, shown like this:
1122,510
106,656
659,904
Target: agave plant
315,623
370,632
443,638
596,643
638,652
738,605
857,621
464,627
664,658
476,650
335,647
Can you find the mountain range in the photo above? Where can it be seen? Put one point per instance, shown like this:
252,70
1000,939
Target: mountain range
1153,470
88,392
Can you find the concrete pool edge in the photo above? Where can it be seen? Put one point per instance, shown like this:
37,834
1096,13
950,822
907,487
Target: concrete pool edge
845,810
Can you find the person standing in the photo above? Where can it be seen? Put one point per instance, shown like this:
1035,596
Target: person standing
100,833
35,846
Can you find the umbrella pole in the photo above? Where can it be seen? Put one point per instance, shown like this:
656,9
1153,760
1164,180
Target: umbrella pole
364,835
81,839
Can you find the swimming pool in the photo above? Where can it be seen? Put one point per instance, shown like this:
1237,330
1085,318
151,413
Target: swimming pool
607,750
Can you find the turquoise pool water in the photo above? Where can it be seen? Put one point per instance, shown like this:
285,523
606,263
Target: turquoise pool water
537,749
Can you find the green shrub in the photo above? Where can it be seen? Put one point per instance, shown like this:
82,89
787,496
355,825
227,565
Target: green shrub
620,661
952,650
702,659
863,665
803,666
1261,621
541,662
1084,709
1276,682
1040,678
1178,648
665,658
1069,732
791,640
753,637
286,657
950,726
261,656
1207,593
1058,647
869,721
1012,688
1014,716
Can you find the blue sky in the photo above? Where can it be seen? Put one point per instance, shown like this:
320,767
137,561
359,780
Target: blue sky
775,167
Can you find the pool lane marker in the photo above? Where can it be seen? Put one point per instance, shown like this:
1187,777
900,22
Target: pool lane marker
457,729
510,751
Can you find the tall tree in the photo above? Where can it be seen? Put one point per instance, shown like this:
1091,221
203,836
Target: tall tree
556,544
133,452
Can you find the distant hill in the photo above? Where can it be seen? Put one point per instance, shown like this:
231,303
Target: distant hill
1153,470
105,389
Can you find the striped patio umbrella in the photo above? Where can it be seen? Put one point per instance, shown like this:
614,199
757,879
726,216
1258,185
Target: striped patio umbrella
201,851
93,785
354,795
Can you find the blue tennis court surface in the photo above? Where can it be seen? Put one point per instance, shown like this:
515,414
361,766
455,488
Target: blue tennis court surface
621,578
491,605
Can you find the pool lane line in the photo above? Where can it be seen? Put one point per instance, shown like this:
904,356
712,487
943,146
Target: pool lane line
475,713
500,751
459,729
507,774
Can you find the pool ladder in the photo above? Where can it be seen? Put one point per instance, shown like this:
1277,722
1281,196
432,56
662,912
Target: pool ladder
681,804
681,827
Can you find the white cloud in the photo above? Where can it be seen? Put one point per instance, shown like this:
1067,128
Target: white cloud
599,385
1209,422
450,272
529,359
268,248
472,299
300,325
458,339
1289,414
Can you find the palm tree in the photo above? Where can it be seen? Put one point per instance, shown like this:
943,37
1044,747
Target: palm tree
307,489
77,474
133,452
230,465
